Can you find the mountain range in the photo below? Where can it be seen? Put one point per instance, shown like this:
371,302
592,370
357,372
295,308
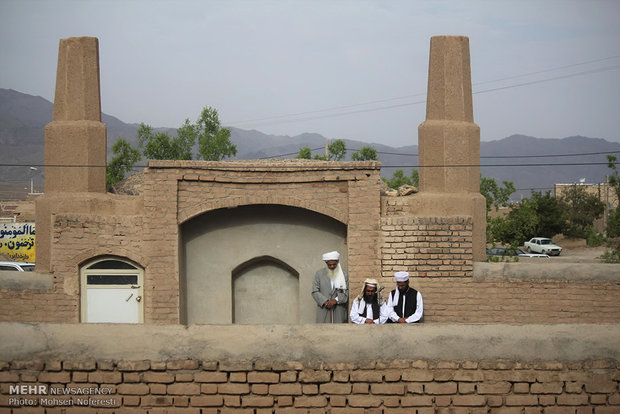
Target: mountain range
529,162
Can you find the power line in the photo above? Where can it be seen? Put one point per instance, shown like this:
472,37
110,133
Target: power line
550,155
549,79
513,156
276,117
497,165
482,156
534,189
549,70
290,153
383,108
232,166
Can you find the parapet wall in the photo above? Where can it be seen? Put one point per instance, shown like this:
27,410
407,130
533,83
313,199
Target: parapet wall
437,251
494,293
281,369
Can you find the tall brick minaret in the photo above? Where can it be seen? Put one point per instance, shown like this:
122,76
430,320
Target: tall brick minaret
75,140
449,135
449,141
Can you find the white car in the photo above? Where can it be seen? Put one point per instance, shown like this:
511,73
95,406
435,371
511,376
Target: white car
542,245
17,266
512,251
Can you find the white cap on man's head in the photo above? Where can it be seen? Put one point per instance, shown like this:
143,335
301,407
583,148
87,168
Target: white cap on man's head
401,276
331,256
371,282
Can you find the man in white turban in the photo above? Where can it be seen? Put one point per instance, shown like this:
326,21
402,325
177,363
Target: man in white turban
330,291
369,307
404,303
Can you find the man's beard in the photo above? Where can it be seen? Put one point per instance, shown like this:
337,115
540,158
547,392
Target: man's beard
332,273
370,298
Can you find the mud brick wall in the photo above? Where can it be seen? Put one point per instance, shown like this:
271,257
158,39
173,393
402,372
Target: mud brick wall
437,253
400,386
520,301
427,246
176,191
147,232
381,240
77,238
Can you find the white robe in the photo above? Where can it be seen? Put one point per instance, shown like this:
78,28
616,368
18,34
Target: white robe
358,307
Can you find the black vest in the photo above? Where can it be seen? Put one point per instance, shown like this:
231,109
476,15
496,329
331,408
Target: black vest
411,302
375,310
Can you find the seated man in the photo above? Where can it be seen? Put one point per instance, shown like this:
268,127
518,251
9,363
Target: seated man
369,307
404,303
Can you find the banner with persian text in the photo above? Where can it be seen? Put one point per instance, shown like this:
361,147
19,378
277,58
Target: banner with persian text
17,241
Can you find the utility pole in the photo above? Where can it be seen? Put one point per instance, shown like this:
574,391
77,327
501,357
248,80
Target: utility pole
606,216
32,179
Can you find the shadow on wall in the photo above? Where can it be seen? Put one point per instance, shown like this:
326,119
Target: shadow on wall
254,264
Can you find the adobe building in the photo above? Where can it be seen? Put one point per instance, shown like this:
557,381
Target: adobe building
201,283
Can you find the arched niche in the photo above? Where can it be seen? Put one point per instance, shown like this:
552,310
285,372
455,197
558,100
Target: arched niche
221,246
265,291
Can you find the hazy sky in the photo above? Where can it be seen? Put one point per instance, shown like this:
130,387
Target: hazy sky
344,69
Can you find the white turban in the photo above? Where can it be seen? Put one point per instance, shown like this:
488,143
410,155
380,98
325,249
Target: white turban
372,282
401,276
331,256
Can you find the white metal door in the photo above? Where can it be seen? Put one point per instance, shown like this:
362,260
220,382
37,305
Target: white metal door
112,292
118,305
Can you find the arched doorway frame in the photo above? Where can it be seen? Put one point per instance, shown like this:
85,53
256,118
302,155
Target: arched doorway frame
109,279
191,282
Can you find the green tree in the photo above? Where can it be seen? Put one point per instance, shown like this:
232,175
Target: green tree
415,178
581,209
613,223
305,153
613,219
337,150
495,195
614,179
550,212
399,178
161,146
213,141
366,153
612,255
517,227
125,156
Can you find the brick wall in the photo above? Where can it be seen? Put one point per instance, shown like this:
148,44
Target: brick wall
77,238
382,238
427,246
176,191
437,253
399,386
